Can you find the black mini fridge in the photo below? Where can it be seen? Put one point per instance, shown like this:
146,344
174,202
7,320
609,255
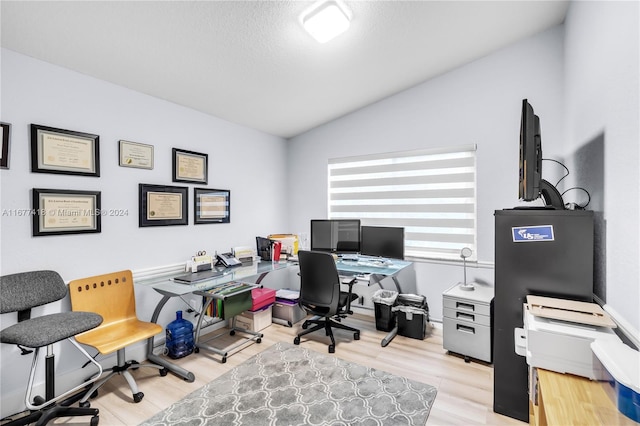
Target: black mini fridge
540,252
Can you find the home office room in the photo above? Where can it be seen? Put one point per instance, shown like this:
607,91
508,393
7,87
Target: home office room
189,130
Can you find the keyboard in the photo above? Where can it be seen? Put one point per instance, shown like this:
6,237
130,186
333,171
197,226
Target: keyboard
194,277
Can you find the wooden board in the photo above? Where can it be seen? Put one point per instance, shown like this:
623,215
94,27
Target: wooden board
569,310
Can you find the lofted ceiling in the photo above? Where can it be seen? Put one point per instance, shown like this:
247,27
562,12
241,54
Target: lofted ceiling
251,62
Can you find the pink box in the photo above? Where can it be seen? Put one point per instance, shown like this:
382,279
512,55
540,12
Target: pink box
262,297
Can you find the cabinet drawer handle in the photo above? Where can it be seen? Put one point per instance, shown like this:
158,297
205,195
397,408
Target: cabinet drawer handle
467,306
465,329
464,316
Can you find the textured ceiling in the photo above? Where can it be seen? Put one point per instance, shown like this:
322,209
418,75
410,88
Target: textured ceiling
250,62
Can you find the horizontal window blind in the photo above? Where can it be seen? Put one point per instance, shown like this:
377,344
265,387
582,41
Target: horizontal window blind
431,193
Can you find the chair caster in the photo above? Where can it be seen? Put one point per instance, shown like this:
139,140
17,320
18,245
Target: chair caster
296,340
332,349
94,421
232,333
356,336
196,349
85,404
258,340
305,325
134,365
224,359
163,372
137,397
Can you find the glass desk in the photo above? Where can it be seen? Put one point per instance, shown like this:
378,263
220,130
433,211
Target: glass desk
373,269
250,274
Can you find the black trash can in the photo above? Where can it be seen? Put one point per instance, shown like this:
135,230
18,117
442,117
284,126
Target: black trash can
412,313
383,302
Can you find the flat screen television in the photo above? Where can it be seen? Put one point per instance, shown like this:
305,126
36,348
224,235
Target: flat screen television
335,235
384,241
531,185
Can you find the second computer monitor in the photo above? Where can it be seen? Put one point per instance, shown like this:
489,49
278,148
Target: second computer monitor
384,241
336,236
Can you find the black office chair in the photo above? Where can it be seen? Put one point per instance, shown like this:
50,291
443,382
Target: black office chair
20,293
320,296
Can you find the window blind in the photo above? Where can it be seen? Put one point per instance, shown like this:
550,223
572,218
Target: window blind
431,193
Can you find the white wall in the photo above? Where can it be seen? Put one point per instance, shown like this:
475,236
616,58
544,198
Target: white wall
478,103
602,103
239,160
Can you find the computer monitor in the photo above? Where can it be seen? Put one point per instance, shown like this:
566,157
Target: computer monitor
531,185
335,235
384,241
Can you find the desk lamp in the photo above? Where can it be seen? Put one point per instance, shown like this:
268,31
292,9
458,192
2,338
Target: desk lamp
464,253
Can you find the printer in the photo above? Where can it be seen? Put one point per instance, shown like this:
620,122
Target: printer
558,333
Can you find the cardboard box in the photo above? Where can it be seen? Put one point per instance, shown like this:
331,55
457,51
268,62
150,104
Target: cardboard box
287,312
255,320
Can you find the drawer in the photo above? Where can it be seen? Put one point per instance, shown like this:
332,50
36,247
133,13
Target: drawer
466,316
467,306
467,339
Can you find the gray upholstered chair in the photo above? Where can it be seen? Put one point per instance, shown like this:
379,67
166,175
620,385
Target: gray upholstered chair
320,295
20,293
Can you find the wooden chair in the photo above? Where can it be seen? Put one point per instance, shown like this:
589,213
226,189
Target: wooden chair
112,296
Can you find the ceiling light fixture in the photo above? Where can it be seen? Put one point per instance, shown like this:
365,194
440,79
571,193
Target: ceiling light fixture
326,20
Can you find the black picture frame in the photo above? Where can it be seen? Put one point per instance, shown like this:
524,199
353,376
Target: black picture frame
190,166
64,151
6,140
162,205
65,211
211,205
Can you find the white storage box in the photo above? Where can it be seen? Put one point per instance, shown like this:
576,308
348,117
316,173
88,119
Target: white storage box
564,346
254,321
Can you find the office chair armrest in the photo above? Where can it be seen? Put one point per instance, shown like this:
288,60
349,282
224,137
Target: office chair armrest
350,281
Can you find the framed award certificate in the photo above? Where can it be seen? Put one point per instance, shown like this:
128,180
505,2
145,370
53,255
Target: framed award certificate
161,205
189,166
63,211
64,151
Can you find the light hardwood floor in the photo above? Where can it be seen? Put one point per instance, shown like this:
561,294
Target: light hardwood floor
465,390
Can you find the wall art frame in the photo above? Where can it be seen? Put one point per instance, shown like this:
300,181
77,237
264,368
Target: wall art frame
135,154
190,166
5,136
211,205
64,151
65,211
162,205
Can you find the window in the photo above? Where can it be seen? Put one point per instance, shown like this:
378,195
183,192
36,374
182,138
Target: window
431,193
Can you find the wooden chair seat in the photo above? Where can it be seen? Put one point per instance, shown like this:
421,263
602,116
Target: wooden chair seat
118,334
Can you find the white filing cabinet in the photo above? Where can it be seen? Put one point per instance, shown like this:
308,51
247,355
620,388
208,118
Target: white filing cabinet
467,321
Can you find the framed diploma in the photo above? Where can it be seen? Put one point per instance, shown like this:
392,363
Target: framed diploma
64,151
211,205
133,154
189,166
63,211
161,205
5,137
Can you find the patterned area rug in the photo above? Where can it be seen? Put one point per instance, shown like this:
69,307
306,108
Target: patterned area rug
291,385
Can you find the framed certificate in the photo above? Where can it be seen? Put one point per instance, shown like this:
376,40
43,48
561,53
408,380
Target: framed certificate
189,166
134,154
64,151
63,211
211,205
5,137
161,205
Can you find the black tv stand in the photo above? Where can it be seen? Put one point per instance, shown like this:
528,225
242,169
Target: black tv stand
551,196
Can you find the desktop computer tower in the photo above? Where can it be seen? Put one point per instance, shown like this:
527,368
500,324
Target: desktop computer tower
540,252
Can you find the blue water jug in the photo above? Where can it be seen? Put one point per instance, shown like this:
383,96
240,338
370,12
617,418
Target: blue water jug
179,340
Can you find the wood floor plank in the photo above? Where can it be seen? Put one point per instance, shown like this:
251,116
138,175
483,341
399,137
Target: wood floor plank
465,390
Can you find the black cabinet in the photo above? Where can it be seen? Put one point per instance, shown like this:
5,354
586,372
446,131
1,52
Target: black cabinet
540,252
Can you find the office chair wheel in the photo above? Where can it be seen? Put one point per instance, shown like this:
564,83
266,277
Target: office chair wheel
232,333
137,397
305,325
224,359
85,404
258,340
94,421
196,349
163,372
296,340
332,349
134,365
356,336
